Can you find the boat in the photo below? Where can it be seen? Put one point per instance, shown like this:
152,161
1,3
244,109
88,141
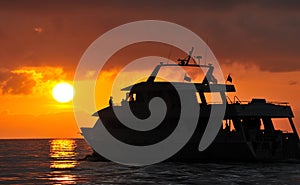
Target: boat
247,131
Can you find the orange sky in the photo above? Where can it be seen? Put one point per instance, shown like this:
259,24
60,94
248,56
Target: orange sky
42,42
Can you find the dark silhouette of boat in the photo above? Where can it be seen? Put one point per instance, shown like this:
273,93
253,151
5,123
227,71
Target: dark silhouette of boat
247,133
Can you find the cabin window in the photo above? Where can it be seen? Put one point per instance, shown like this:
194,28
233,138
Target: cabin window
282,124
131,97
262,127
213,97
228,125
198,97
134,96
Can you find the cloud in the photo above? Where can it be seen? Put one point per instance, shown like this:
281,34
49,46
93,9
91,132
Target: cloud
71,6
28,80
264,33
17,84
293,82
38,29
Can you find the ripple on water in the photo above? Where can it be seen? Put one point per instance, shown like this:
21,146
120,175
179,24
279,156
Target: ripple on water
55,162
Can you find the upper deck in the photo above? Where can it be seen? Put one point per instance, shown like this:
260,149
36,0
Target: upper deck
209,83
259,108
144,91
255,108
162,86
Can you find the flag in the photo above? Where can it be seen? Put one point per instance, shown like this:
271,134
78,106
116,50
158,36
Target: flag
186,78
229,79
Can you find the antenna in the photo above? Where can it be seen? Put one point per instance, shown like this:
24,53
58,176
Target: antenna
186,60
169,54
205,54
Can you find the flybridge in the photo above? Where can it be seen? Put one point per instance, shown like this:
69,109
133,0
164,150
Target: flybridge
209,78
179,85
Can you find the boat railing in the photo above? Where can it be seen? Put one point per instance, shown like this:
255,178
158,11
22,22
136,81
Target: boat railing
228,100
279,103
236,100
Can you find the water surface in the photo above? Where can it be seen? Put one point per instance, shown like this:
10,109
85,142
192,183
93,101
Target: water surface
55,162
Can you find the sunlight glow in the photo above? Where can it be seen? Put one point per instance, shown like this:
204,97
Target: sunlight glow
63,92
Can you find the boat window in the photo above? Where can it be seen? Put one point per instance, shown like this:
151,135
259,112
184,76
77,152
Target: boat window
282,124
131,97
262,126
198,97
213,97
228,125
134,96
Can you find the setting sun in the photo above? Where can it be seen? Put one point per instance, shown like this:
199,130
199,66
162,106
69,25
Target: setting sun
63,92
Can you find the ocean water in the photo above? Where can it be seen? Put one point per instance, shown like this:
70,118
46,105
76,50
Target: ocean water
54,161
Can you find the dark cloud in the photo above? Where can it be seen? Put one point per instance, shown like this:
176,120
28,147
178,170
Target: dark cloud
293,82
264,33
74,5
29,80
16,83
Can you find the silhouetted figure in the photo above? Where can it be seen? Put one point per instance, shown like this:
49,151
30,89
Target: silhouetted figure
110,101
123,102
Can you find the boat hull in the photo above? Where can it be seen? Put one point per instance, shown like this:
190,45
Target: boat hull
228,145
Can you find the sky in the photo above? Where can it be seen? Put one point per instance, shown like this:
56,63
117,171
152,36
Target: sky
256,42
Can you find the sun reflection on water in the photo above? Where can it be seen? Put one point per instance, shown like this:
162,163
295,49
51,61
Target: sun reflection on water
62,152
63,178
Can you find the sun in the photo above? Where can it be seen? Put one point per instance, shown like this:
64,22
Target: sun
63,92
